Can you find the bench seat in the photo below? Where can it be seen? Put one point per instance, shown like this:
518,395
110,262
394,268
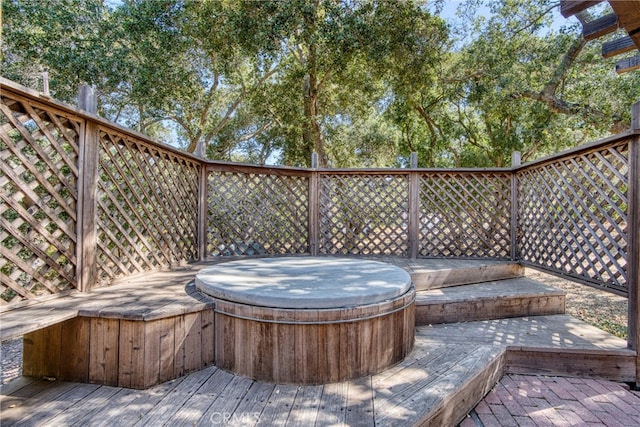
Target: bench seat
140,332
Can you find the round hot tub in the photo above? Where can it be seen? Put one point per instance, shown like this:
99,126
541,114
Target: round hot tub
309,320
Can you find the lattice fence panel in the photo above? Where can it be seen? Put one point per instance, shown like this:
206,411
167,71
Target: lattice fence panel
572,216
257,214
147,207
364,214
38,178
465,215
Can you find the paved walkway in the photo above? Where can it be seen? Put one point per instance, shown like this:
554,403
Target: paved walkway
525,400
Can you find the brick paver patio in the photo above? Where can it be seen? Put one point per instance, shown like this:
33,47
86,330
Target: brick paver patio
524,400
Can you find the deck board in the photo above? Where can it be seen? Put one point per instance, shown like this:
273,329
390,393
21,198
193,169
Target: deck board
306,404
224,407
198,404
333,405
111,411
175,399
279,405
360,398
85,406
252,405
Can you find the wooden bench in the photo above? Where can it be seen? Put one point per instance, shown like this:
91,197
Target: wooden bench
143,331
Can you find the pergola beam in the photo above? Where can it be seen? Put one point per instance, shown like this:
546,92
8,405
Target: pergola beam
628,64
617,46
628,13
600,27
571,7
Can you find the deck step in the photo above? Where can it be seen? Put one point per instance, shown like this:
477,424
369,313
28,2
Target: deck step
489,300
440,273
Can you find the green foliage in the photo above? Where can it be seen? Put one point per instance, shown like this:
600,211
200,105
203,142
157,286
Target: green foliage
363,83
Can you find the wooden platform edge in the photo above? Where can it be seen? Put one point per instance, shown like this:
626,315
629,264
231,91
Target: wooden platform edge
607,364
431,313
425,279
455,407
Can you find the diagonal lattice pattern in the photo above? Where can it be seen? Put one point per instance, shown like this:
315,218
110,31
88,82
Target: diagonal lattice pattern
38,197
257,214
364,214
465,215
572,216
147,206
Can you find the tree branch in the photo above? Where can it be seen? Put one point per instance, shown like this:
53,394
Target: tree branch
548,94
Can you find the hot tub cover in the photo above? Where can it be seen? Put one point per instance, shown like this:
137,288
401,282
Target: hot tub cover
304,282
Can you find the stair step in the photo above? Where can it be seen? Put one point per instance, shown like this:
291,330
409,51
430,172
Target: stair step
489,300
439,273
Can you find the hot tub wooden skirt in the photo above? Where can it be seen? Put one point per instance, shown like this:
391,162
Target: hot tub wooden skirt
313,346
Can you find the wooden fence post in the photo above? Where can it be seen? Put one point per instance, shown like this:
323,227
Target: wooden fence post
414,207
515,162
633,252
314,205
88,159
203,211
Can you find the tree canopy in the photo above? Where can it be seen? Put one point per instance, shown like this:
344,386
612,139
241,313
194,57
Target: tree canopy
361,82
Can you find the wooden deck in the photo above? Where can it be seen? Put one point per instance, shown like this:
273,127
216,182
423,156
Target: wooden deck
450,366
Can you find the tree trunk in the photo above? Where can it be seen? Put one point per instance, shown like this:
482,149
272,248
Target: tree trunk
311,135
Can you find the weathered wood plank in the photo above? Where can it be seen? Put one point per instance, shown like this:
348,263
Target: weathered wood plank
170,403
111,412
615,366
103,351
305,406
131,354
617,46
250,408
599,27
195,407
497,299
84,407
360,402
42,352
223,408
193,342
393,388
333,404
19,391
86,249
138,405
314,213
279,405
427,393
628,64
453,407
627,13
571,7
75,345
633,255
208,338
49,409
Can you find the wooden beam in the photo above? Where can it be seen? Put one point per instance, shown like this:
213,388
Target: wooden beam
617,46
571,7
628,64
633,243
628,13
599,27
88,164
